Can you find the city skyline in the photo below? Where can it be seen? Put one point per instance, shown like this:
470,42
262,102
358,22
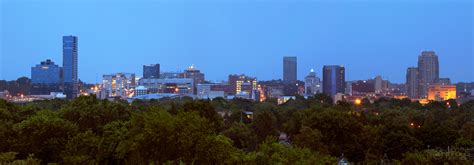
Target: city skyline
231,47
182,70
237,82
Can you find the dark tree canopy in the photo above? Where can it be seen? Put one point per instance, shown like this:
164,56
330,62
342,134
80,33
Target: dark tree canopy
87,130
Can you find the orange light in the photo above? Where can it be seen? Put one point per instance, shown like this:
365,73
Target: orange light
358,101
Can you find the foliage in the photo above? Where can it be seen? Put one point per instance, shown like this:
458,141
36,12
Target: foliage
185,131
271,152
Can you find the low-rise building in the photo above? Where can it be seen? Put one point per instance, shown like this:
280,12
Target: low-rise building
182,86
441,92
118,85
206,91
139,91
4,95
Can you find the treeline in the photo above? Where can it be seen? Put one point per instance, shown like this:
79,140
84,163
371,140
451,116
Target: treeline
170,131
21,85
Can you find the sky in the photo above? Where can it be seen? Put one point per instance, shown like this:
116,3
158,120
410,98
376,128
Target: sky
222,37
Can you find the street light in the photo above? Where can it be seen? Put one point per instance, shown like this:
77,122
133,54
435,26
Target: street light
358,101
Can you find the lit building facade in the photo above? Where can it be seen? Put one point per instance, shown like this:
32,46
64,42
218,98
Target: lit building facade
440,92
334,79
118,85
312,84
242,84
181,86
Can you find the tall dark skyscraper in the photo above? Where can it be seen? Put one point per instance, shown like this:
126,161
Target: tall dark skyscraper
289,69
428,69
151,71
412,82
334,79
70,67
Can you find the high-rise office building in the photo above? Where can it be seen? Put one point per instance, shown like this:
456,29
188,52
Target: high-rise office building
45,78
312,84
46,73
289,69
334,80
70,66
378,84
151,71
428,69
412,82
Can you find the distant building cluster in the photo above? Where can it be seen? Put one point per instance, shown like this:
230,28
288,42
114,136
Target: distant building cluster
50,80
47,77
423,82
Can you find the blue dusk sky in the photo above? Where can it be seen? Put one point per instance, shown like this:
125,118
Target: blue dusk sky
220,37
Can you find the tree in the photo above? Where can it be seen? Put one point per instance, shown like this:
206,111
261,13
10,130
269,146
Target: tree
271,152
215,149
177,136
82,149
322,98
365,102
45,135
467,136
310,138
205,110
115,145
90,113
341,132
437,135
242,136
264,124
